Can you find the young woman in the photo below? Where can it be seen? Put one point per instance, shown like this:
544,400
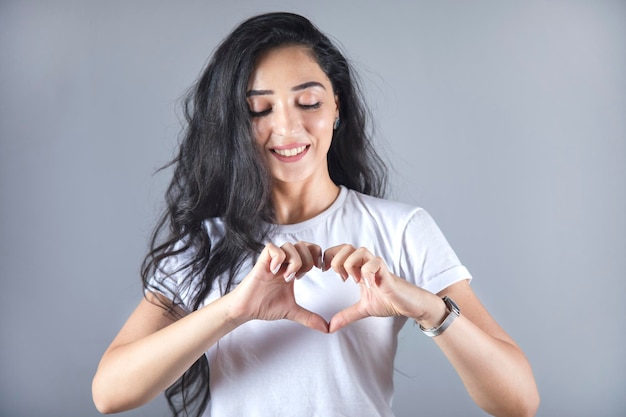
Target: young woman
278,278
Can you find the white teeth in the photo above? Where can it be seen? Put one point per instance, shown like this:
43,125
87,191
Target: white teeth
290,152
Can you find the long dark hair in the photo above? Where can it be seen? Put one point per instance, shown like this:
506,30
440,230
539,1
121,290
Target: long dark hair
218,172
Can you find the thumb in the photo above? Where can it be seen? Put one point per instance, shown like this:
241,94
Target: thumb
345,317
308,319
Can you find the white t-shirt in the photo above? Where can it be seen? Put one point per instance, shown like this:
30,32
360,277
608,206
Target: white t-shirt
281,368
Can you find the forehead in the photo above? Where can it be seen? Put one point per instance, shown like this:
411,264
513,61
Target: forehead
286,65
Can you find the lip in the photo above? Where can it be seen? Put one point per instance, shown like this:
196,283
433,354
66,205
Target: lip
292,146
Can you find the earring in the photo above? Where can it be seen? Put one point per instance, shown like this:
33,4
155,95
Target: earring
336,125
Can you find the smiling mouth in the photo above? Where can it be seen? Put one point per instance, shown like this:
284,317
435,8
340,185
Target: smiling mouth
290,152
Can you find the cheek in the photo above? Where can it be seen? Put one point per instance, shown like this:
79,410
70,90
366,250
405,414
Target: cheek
259,128
321,123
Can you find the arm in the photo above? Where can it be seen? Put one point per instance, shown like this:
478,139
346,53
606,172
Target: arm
154,348
493,369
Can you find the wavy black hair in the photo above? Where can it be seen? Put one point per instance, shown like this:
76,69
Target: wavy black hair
218,172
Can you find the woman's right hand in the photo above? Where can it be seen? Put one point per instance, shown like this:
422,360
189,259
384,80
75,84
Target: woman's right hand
267,293
153,349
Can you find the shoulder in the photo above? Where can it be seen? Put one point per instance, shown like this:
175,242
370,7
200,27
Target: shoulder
214,228
382,208
396,217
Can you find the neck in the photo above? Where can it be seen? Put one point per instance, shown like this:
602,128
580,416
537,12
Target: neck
295,203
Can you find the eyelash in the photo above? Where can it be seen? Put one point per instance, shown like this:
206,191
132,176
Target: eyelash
303,106
259,113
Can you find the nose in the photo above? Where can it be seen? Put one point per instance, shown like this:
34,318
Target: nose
285,121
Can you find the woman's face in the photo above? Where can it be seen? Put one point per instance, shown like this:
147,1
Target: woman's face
293,110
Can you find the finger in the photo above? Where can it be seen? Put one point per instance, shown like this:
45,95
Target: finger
329,255
317,254
373,268
335,257
308,319
345,317
292,261
307,258
271,258
355,262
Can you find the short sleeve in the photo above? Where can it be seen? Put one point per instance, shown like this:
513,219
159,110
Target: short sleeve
426,258
171,278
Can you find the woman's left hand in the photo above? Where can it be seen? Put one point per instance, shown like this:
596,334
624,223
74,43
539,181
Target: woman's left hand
492,367
383,294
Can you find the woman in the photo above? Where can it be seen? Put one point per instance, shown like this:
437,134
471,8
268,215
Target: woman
276,184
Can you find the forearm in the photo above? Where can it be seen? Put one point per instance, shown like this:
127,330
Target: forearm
496,373
153,350
492,367
131,374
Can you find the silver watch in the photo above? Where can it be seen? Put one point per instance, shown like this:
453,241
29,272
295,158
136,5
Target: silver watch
453,314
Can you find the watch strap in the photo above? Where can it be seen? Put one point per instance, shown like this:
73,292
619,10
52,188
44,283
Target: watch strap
453,314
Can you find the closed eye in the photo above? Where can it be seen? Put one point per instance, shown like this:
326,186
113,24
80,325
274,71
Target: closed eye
311,106
260,113
268,111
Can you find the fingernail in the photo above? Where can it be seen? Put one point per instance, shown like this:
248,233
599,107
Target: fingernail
367,283
290,277
353,279
275,269
320,262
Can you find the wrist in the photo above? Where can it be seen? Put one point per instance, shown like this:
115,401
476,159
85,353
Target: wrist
434,314
234,313
453,312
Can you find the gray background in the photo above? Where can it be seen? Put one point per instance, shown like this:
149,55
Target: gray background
506,120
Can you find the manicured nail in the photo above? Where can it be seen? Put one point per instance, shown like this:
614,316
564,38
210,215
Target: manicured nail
275,269
367,283
290,277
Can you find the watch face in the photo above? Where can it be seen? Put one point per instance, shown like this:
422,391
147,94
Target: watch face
452,305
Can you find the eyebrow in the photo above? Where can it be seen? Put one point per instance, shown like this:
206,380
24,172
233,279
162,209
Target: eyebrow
298,87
